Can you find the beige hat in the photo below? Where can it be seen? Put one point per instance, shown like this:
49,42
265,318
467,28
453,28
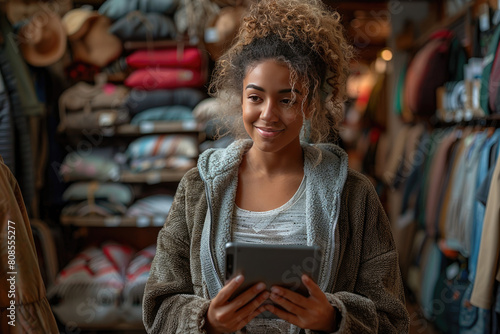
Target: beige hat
42,40
95,44
76,22
221,33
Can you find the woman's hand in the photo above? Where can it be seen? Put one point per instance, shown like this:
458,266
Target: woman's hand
229,316
313,312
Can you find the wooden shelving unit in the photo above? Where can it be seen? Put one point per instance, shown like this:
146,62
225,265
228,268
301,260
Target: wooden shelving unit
155,127
150,177
114,221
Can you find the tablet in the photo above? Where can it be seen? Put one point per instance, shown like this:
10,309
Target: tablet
281,265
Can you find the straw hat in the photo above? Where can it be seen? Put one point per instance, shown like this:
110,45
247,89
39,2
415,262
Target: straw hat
42,40
77,21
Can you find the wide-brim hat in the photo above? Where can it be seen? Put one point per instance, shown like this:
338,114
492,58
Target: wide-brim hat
42,40
76,22
96,45
220,33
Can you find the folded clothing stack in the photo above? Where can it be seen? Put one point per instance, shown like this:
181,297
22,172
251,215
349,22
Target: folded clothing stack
167,69
92,107
162,151
97,199
154,206
97,165
136,277
102,286
88,290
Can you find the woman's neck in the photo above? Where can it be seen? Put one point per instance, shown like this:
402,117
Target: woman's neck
270,164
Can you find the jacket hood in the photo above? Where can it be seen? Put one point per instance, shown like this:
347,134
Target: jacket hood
215,161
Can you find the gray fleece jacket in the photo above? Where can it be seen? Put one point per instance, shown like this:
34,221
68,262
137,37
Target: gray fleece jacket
359,269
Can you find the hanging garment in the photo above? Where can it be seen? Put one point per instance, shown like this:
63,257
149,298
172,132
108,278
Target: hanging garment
486,74
480,200
23,103
7,142
460,225
489,251
437,172
32,311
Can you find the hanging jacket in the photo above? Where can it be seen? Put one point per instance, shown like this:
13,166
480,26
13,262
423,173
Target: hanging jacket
7,143
24,103
31,312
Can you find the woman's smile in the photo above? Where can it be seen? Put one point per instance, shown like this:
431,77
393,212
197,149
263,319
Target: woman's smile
268,132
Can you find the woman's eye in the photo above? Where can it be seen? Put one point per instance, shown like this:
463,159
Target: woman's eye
288,102
254,98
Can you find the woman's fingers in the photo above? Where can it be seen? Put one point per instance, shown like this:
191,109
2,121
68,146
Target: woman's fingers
313,312
227,291
288,300
289,317
312,287
248,295
252,309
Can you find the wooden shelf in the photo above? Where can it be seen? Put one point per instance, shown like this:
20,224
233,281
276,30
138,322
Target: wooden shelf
114,221
150,127
150,177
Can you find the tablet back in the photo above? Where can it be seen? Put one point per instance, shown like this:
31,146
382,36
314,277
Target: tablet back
281,265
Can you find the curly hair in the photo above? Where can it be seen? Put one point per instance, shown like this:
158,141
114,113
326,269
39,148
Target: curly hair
301,34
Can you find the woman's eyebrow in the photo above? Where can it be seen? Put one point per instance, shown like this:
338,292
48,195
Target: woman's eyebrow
254,87
287,90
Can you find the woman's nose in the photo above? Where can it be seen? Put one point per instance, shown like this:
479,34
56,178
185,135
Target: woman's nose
269,112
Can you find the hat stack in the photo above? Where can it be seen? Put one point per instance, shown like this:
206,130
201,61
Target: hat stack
90,40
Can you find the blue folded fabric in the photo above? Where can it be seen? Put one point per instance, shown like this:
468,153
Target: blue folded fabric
137,26
112,192
116,9
140,100
156,163
168,113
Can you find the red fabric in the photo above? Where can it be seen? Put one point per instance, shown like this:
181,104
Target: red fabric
165,78
189,58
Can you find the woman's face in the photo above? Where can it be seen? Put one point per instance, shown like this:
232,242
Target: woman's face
270,117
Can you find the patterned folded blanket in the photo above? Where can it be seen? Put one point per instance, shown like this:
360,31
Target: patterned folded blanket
137,276
88,290
102,286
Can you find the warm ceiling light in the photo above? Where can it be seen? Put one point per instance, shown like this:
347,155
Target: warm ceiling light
386,55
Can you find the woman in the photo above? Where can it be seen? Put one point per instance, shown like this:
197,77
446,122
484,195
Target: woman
288,66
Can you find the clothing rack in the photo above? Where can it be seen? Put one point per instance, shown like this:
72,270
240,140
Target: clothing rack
488,121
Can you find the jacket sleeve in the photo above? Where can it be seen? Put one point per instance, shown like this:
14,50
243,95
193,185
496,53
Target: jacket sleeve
377,303
170,305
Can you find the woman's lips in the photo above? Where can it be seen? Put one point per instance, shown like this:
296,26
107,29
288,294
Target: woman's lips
268,132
